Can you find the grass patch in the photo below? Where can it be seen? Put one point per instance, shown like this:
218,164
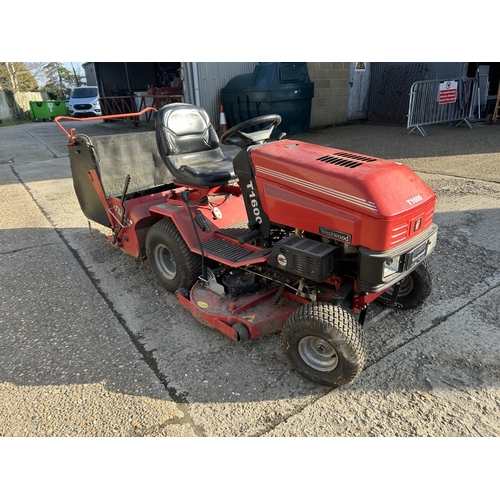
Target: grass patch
7,123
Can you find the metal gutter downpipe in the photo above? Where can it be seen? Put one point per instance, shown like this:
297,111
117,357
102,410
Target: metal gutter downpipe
187,80
196,84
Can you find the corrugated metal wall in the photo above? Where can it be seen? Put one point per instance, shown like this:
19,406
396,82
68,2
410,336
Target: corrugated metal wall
383,93
212,78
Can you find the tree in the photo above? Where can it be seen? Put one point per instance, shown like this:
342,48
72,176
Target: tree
44,74
79,79
38,72
16,76
59,80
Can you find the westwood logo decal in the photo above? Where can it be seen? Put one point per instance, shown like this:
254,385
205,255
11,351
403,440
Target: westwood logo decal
335,235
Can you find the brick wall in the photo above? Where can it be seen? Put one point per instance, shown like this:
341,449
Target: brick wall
331,91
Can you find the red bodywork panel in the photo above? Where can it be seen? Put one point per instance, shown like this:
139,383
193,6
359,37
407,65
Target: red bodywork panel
225,209
377,202
256,311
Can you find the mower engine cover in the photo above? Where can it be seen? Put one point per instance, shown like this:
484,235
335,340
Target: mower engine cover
379,207
356,199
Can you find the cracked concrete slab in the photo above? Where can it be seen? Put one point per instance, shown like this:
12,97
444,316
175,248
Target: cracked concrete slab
426,374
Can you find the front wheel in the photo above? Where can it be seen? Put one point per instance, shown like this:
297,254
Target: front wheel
415,288
324,343
170,259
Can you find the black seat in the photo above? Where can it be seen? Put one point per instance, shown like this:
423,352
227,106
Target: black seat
189,147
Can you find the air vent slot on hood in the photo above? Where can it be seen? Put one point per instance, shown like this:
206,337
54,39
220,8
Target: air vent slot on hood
347,160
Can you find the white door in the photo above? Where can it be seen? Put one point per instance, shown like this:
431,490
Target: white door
359,85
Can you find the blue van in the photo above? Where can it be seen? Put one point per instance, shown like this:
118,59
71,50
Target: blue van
84,102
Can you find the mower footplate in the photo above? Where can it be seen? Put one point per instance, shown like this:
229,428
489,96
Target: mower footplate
232,254
226,250
235,232
255,311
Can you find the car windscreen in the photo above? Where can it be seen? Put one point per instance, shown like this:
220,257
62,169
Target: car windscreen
84,92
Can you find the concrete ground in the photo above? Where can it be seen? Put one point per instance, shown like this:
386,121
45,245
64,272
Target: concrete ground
91,346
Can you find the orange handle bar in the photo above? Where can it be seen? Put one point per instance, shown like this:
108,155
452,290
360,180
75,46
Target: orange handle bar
69,134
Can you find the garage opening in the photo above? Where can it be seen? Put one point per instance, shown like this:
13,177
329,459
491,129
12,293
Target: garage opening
132,86
488,75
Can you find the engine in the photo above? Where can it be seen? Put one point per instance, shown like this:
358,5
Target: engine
306,258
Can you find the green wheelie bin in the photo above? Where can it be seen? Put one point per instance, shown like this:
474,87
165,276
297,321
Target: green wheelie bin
58,108
39,110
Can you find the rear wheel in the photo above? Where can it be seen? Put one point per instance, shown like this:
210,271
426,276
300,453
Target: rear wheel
170,259
415,288
324,343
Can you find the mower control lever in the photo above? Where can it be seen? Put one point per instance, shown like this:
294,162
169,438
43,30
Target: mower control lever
122,199
185,196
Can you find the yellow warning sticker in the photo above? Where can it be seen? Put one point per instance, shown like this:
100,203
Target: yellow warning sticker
360,66
201,304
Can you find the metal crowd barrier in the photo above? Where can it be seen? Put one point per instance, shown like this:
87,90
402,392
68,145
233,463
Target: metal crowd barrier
431,102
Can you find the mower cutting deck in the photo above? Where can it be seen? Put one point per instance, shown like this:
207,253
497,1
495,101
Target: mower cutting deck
288,236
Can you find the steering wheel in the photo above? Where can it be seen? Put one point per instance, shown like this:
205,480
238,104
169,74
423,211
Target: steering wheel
235,137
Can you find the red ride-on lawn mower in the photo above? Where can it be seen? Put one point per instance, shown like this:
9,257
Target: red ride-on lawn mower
287,236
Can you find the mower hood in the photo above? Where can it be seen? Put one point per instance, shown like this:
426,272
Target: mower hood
380,188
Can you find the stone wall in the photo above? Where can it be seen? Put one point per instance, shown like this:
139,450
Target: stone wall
22,100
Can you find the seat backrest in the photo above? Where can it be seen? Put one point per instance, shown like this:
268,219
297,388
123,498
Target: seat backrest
185,136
